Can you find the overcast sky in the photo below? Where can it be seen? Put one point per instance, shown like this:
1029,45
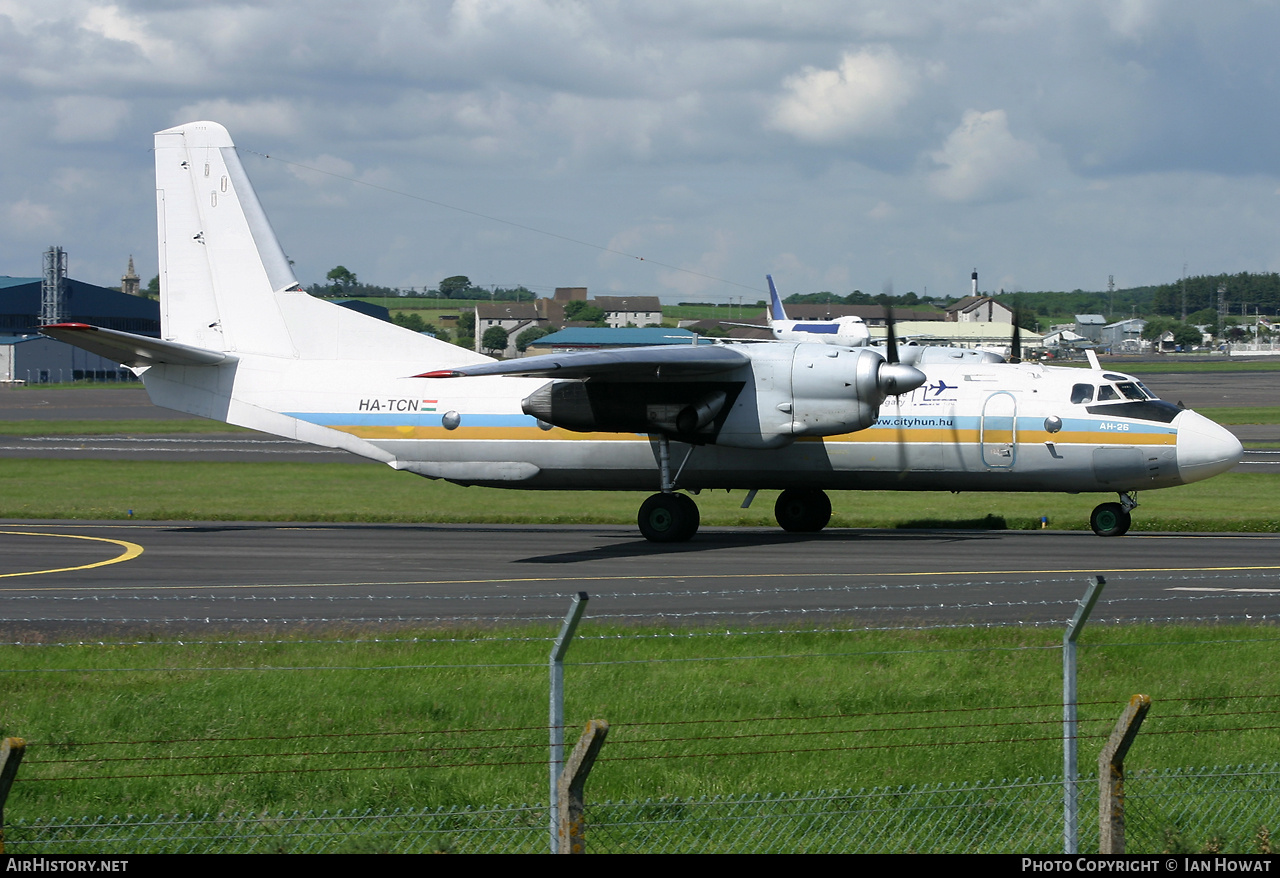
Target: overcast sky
837,145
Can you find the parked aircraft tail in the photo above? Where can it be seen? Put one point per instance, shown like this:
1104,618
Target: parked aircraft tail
776,311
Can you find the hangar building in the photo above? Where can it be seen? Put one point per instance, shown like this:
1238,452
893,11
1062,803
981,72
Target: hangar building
27,356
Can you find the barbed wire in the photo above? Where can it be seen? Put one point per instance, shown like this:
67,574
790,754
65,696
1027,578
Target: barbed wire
642,724
952,584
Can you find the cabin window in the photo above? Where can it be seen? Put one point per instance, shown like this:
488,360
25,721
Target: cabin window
1081,393
1106,392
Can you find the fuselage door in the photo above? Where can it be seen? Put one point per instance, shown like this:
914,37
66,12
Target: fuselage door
999,430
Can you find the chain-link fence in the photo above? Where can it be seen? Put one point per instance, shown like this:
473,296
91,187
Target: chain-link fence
1230,810
991,817
503,829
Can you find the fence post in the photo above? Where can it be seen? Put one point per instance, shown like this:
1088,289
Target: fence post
556,718
572,830
1111,775
1070,735
11,750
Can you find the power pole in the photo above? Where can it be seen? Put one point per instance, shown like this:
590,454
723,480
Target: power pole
1184,292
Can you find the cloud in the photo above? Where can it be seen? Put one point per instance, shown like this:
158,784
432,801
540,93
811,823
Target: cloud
274,117
27,215
694,279
861,98
981,160
109,22
88,119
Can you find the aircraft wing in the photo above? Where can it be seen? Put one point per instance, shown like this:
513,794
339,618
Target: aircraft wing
620,364
130,349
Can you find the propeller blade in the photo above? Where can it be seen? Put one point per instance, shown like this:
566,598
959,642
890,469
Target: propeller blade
1015,343
891,337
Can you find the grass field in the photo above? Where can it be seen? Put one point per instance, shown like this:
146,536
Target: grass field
195,727
1192,363
93,489
126,427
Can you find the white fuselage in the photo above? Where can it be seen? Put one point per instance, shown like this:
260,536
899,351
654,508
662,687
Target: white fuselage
970,426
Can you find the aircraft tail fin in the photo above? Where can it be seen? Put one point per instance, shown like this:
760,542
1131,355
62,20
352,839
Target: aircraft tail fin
776,311
225,282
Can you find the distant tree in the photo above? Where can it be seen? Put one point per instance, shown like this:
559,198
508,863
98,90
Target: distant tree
341,280
514,294
1187,335
467,323
529,336
1158,326
456,287
494,339
583,312
153,288
409,320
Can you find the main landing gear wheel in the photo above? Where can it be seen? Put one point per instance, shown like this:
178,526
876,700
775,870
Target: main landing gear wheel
802,510
668,518
1110,520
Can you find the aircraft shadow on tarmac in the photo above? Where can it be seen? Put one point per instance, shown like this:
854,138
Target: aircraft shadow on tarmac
712,540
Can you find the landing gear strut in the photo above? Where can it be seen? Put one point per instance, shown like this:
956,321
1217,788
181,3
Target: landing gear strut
802,510
1113,519
668,517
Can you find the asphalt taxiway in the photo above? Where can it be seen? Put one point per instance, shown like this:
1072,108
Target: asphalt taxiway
94,578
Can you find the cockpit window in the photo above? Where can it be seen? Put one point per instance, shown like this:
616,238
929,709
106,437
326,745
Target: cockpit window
1131,390
1081,393
1107,392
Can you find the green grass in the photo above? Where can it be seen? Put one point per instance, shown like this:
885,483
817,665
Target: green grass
1258,414
1191,363
93,489
123,427
424,303
242,726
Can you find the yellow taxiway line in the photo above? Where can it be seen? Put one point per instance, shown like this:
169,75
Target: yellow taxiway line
131,551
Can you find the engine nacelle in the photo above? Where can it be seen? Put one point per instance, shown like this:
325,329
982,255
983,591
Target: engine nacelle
785,392
812,390
834,391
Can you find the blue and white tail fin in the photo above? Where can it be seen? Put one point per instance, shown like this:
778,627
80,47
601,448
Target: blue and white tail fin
776,311
226,284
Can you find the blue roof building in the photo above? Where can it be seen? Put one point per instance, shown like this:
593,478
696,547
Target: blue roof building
578,338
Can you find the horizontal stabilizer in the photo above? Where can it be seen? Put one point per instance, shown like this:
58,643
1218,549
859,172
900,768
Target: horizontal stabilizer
634,364
133,350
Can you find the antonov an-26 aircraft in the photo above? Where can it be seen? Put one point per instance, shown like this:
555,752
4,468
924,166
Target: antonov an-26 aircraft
243,343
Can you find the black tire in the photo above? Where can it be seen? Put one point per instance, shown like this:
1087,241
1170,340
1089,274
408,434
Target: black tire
668,518
1110,520
802,510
